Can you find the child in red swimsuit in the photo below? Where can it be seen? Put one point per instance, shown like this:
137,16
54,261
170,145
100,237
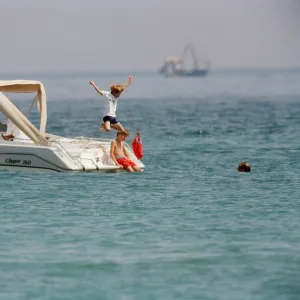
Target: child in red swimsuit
119,154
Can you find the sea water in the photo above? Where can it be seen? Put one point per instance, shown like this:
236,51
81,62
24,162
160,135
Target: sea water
190,226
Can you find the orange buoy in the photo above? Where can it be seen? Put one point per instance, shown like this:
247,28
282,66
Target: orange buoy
137,146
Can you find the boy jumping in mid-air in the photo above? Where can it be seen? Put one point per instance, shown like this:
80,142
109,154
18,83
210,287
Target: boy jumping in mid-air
111,101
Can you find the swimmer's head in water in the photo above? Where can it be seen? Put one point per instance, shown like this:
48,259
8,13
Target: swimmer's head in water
244,167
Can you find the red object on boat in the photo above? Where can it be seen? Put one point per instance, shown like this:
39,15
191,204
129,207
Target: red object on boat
137,146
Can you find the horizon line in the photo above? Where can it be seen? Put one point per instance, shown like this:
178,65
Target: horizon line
146,71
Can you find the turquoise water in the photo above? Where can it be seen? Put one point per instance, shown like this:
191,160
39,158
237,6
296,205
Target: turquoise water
190,226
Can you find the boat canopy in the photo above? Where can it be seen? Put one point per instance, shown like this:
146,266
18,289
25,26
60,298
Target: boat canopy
16,116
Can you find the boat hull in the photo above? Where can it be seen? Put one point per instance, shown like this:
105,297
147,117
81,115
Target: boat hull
192,73
34,158
184,73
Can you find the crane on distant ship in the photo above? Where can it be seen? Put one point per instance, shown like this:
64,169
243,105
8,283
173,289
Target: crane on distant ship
174,66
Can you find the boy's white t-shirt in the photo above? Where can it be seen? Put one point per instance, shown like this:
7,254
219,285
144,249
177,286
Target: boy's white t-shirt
110,104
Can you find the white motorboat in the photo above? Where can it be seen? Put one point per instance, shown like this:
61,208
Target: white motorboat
47,152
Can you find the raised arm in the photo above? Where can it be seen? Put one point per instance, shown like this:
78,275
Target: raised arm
112,154
98,90
130,78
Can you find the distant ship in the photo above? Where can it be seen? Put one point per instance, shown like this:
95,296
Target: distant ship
174,66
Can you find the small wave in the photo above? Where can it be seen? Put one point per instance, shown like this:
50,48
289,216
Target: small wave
198,132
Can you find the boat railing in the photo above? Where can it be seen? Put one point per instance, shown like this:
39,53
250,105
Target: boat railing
85,158
64,151
97,140
80,159
86,141
92,139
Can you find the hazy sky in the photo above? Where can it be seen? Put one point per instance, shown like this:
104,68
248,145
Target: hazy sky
98,35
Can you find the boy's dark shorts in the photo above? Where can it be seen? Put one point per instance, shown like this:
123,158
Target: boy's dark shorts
112,120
